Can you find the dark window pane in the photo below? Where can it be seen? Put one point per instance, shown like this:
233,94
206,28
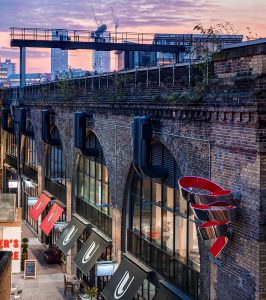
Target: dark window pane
156,224
146,189
193,247
181,237
168,231
157,192
146,218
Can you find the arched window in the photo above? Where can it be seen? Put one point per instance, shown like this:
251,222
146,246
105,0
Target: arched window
11,146
30,152
92,189
92,178
55,166
162,229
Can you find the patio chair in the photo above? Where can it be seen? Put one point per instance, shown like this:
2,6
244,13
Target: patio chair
18,295
68,285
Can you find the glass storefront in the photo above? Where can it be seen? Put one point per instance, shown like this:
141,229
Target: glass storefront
162,230
55,180
92,190
55,165
30,170
30,191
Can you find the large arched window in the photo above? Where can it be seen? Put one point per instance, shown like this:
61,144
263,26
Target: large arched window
92,179
55,166
30,152
162,229
93,200
11,146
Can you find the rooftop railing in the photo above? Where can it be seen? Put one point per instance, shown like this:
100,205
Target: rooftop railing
44,34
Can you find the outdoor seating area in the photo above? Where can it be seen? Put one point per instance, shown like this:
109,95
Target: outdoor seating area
77,288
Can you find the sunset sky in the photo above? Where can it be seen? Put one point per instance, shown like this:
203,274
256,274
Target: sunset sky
172,16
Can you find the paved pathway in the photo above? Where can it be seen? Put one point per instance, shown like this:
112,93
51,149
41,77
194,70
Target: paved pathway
50,281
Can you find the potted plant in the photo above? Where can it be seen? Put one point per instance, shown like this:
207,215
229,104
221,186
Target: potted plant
63,262
24,252
92,292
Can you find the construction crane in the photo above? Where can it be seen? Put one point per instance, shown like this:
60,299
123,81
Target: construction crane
101,28
95,18
115,22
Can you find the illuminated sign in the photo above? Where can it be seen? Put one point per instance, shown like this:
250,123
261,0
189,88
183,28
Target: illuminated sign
13,184
105,268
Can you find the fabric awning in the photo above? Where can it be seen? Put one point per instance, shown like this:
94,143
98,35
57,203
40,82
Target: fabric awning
126,281
168,292
39,207
53,215
90,252
70,234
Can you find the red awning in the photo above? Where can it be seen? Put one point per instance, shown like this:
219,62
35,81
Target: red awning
53,216
39,207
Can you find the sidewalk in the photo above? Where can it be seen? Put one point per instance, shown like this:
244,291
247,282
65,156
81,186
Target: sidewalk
50,279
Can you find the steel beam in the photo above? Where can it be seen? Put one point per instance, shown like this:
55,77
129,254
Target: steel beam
73,45
22,65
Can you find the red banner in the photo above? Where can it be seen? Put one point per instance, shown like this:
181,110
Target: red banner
39,207
53,216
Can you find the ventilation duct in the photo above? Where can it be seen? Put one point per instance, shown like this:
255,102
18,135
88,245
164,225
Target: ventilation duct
46,115
80,135
5,112
142,137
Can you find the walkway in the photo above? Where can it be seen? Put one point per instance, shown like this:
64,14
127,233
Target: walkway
50,280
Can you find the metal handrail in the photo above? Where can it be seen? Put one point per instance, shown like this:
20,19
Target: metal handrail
81,35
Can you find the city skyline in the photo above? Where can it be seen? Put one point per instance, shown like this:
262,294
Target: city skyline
141,16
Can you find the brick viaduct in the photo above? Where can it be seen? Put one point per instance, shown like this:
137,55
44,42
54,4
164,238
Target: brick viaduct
220,135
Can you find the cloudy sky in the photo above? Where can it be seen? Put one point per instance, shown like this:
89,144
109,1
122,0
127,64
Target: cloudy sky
162,16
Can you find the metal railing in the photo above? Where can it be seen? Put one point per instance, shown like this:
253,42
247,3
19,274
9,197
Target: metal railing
56,189
184,277
94,215
30,172
11,160
44,34
138,83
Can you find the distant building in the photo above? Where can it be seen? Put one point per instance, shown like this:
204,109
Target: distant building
59,58
101,59
194,44
6,68
3,74
10,66
32,78
135,59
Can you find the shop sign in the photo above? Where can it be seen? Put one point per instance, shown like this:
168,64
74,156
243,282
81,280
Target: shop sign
105,268
11,241
30,268
12,184
32,201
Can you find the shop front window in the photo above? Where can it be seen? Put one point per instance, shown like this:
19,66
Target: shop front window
92,178
11,146
55,166
30,152
160,216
